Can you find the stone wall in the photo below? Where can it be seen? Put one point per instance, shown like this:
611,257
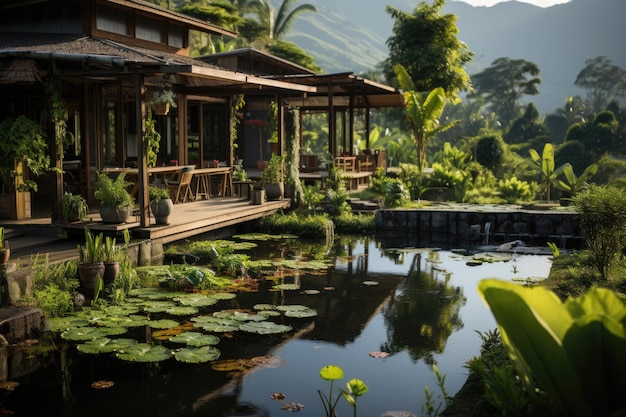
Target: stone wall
418,227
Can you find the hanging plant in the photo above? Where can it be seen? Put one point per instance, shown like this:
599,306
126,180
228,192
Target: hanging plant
153,140
238,102
163,99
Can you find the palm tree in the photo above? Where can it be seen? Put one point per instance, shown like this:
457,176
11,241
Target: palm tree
279,23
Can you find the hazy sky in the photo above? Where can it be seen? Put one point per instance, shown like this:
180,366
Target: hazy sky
540,3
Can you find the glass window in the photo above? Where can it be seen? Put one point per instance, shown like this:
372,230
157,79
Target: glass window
148,29
111,19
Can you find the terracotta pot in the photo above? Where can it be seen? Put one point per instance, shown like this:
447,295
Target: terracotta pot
161,109
88,273
111,271
115,214
161,210
261,164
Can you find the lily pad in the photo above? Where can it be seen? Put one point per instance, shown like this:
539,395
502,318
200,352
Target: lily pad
90,333
126,321
157,306
370,283
197,355
292,307
287,287
269,313
163,323
124,310
64,323
264,327
239,316
104,345
196,300
195,339
144,352
309,312
264,307
182,311
223,295
217,327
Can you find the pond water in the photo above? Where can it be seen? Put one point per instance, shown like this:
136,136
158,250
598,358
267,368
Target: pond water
419,306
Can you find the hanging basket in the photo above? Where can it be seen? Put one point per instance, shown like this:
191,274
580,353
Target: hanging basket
162,109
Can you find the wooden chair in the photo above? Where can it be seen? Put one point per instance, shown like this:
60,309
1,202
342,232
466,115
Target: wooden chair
180,189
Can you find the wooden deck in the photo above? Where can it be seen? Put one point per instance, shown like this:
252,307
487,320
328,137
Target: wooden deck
39,235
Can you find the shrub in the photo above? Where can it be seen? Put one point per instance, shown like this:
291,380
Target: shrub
603,220
513,190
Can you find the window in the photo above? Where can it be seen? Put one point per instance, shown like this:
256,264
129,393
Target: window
148,29
112,20
175,36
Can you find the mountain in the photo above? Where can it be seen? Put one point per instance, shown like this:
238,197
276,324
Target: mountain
350,35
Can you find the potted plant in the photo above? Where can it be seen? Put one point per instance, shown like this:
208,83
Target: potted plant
116,203
161,204
110,258
91,256
75,207
272,178
163,99
23,151
5,252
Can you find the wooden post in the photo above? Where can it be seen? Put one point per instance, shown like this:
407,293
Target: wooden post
142,159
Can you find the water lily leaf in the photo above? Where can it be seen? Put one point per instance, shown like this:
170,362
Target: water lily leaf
126,321
166,334
239,316
104,345
197,355
309,312
156,306
182,311
201,320
269,313
223,295
380,355
310,292
264,327
196,300
370,283
89,333
287,287
124,310
195,339
217,327
163,324
264,307
144,352
58,324
292,307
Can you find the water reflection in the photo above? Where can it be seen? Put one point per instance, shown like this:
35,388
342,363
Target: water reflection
424,312
422,309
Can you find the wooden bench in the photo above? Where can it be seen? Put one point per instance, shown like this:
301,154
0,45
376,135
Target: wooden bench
356,179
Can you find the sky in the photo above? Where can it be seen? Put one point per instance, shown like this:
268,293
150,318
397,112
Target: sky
540,3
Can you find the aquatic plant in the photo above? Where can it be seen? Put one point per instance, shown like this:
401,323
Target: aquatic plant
355,388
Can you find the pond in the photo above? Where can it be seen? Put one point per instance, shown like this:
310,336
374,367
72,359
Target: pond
418,307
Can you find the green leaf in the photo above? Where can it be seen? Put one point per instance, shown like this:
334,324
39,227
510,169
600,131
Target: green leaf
144,352
264,327
104,345
309,312
182,311
195,339
573,350
196,300
331,373
197,355
357,387
163,324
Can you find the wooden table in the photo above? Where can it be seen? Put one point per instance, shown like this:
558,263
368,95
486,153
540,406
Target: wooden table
203,177
162,172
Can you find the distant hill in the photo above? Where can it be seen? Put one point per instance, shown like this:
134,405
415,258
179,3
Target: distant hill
350,35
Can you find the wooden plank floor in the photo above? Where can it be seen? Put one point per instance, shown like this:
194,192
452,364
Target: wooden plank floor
39,235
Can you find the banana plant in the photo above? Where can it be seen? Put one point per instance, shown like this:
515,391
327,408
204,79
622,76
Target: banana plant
423,112
545,162
573,350
573,183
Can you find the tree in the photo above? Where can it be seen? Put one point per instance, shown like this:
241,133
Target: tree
597,135
603,81
279,23
558,122
504,83
526,127
293,53
426,44
422,113
490,150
